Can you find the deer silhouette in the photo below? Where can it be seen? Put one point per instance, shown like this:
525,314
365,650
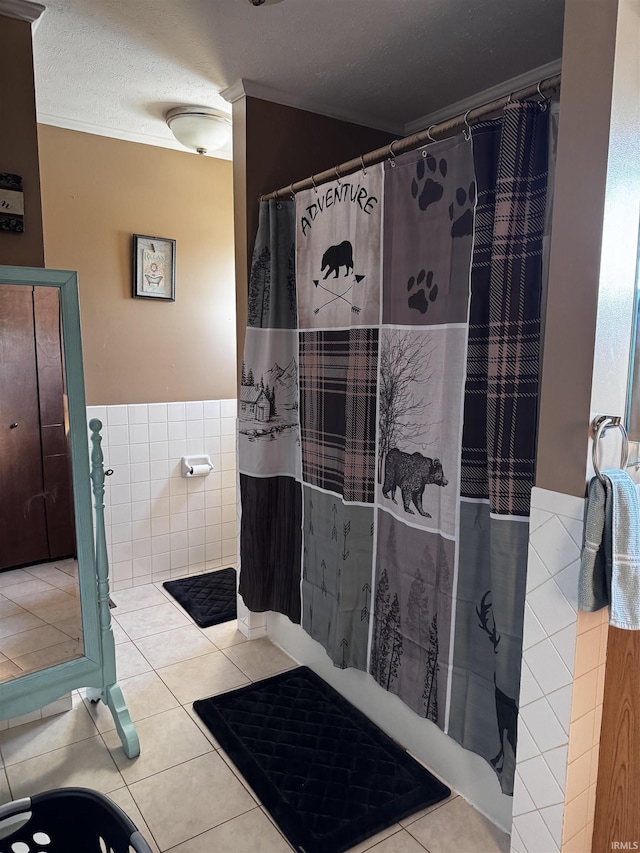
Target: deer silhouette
506,707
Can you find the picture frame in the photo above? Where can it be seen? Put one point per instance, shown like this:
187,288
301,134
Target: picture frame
154,268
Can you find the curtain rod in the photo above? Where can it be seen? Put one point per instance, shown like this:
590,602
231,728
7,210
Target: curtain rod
416,140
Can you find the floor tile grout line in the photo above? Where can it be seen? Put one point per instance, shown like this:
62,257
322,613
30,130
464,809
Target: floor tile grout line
137,805
222,823
254,806
67,746
171,766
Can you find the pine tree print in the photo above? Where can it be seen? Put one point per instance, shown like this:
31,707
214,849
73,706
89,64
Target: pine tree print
291,282
380,646
396,641
259,288
417,609
430,692
444,573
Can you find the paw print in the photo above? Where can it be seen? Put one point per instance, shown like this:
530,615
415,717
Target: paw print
431,190
427,291
462,226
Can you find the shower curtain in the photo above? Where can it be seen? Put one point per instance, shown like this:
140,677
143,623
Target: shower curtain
387,421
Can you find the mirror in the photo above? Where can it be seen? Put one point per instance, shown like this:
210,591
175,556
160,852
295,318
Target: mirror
40,617
81,595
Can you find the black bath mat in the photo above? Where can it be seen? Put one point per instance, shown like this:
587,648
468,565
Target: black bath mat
208,599
327,775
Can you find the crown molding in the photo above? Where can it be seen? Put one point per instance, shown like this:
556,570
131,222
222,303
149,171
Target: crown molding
250,89
127,135
22,10
502,90
234,93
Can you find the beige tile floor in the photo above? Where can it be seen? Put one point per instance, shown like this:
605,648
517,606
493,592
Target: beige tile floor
40,622
183,792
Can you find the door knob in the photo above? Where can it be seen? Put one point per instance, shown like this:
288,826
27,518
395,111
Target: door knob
14,425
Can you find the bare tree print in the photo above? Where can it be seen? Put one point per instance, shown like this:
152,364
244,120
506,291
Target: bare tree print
405,361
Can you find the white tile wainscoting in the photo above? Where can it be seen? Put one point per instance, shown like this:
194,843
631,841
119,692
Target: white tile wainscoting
554,792
158,524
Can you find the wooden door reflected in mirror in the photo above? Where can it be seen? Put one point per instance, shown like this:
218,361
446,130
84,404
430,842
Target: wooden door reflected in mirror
40,619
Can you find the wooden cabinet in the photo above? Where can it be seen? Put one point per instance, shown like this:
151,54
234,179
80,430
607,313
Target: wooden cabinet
36,499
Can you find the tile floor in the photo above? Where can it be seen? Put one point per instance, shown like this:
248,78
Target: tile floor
182,792
40,617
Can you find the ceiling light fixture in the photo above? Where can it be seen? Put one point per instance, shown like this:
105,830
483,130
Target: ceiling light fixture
199,128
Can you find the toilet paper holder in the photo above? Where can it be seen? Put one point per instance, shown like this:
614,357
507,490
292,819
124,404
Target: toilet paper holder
196,466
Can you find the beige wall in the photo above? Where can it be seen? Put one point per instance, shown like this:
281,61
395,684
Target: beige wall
96,193
19,140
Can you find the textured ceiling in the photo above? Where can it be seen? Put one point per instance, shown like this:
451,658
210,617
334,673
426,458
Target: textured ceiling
115,66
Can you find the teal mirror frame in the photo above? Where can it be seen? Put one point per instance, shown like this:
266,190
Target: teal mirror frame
96,669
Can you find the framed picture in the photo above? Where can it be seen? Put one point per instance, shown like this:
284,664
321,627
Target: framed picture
154,267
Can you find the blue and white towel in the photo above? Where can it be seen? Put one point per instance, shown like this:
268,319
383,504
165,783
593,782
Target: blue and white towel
610,564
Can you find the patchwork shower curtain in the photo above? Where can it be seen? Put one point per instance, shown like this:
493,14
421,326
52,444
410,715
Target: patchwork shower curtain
388,420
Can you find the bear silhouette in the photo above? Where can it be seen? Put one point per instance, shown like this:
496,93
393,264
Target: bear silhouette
336,257
411,472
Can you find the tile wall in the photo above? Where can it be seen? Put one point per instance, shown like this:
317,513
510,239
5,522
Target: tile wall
158,524
548,672
562,688
584,733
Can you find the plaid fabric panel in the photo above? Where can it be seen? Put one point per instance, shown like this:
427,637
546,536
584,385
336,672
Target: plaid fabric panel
514,307
338,380
501,394
475,472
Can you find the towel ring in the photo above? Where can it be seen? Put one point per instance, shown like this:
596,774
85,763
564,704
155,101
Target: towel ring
599,426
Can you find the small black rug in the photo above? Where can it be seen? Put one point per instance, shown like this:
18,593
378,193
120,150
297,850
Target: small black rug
208,599
328,776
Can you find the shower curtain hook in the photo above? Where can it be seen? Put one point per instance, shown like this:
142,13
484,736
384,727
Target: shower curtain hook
392,158
544,102
293,195
313,184
467,132
364,171
277,200
429,136
338,176
509,99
